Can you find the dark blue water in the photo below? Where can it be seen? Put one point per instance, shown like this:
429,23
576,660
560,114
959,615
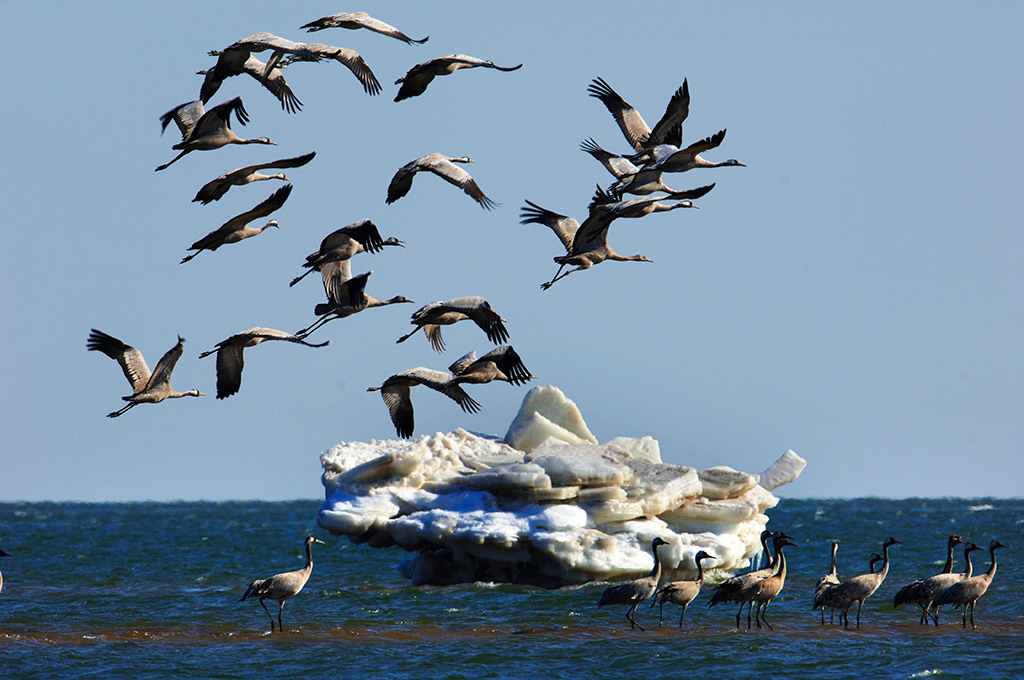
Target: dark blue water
147,590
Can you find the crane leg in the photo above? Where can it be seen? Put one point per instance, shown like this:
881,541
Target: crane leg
120,411
280,610
858,612
408,335
269,615
168,163
308,330
632,621
973,627
681,614
299,278
763,610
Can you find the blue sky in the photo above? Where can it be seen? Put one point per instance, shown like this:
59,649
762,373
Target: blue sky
854,294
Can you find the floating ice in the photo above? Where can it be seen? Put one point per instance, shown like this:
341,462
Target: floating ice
546,506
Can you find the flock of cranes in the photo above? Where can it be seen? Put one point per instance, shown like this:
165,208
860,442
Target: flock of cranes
638,191
207,128
758,587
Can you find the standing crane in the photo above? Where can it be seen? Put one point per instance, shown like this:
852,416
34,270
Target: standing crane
860,587
681,592
826,583
922,591
281,587
635,592
763,591
968,591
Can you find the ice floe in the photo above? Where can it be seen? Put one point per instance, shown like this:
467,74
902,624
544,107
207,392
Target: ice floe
547,505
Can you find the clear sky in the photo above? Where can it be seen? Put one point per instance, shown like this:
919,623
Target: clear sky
854,294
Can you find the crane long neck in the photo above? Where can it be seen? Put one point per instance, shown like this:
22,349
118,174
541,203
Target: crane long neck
309,557
767,553
655,574
992,566
780,556
969,568
885,563
948,567
700,571
832,569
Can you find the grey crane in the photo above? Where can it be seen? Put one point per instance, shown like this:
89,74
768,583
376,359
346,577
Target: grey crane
612,205
286,52
635,592
3,553
345,297
283,586
236,63
729,590
147,387
624,169
203,130
967,591
668,130
825,597
922,591
356,20
230,360
681,592
215,189
586,244
237,228
860,587
763,591
341,244
395,392
501,363
940,582
825,583
444,167
668,158
431,317
415,81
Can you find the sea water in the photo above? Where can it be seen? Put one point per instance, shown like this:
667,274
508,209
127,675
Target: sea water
151,590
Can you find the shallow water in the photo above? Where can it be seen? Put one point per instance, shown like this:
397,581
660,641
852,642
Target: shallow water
147,590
